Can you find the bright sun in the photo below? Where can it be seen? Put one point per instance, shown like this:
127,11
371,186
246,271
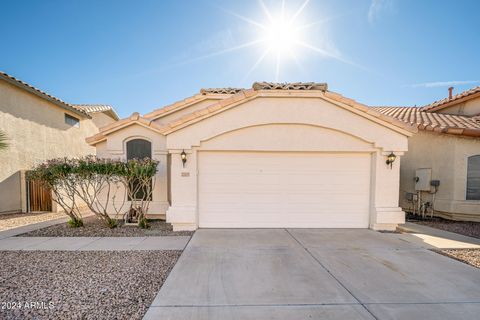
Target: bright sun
281,36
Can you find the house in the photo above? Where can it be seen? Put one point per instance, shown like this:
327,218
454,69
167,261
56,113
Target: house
276,155
40,126
446,150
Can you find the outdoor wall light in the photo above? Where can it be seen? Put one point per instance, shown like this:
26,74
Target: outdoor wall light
183,155
390,159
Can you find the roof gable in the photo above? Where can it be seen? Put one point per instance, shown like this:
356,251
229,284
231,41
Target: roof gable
456,99
31,89
262,89
99,108
134,119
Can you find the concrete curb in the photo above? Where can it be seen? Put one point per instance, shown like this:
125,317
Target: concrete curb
438,239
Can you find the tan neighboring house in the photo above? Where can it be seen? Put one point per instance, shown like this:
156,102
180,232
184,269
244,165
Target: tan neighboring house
276,155
40,126
446,150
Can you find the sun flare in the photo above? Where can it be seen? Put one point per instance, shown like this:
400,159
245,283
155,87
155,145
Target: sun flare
283,36
280,36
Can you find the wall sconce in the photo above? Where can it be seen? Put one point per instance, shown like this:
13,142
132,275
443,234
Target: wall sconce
390,159
183,155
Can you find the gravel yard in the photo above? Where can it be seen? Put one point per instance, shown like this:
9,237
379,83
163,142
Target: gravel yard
82,285
471,229
469,256
14,220
93,227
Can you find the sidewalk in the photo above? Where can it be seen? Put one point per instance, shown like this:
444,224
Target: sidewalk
94,243
432,238
30,227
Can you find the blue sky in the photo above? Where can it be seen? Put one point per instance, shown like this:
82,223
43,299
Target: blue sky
141,55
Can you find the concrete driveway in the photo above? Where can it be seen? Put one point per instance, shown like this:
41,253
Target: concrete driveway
313,274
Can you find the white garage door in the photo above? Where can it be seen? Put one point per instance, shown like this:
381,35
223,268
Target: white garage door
282,189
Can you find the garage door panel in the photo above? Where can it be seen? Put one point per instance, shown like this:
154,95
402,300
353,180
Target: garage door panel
270,190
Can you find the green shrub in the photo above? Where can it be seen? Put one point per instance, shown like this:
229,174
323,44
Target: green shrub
86,178
75,223
143,223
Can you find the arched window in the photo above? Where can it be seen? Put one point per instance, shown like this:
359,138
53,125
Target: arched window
473,178
139,149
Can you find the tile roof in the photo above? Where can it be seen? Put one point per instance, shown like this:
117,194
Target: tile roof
290,86
460,97
258,89
23,85
96,108
221,90
135,118
204,94
249,94
432,121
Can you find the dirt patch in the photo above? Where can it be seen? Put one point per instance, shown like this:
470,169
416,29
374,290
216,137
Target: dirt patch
466,228
93,227
81,285
469,256
15,220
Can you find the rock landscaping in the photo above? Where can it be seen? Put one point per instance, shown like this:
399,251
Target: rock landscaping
469,256
15,220
466,228
93,227
81,285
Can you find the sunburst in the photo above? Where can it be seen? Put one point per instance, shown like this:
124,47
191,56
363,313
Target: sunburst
282,36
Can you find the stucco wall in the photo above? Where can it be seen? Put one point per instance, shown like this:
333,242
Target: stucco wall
468,108
447,156
37,131
100,119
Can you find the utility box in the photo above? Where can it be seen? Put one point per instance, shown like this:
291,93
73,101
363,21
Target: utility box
423,177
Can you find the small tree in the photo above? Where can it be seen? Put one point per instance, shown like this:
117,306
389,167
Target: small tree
139,181
96,177
56,175
98,182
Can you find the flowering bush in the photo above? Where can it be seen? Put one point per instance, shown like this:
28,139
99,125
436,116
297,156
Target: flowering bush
102,184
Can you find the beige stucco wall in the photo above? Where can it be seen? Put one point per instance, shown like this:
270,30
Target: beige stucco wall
468,108
447,156
101,119
37,131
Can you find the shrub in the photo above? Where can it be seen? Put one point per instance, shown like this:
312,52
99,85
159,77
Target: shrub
75,223
57,176
90,177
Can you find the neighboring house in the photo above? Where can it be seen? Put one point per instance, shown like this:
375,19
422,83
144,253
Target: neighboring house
40,127
447,150
277,155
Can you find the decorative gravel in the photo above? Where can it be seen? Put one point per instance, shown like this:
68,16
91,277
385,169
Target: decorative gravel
469,256
93,227
467,228
14,220
81,284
